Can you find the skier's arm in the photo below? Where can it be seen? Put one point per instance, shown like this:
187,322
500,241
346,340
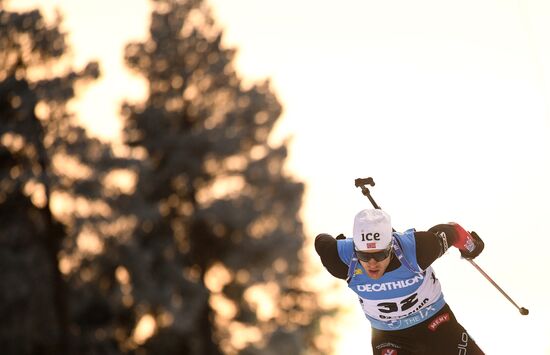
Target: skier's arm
325,246
428,248
435,242
469,244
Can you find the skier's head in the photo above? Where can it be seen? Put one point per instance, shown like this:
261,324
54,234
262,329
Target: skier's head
372,230
372,234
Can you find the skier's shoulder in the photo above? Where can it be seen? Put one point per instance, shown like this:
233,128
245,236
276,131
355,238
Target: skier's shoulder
345,249
407,237
328,250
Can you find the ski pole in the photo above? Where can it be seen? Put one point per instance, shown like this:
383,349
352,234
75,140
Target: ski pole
361,182
522,310
367,181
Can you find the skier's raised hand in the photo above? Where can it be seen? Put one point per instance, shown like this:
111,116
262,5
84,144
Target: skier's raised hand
469,244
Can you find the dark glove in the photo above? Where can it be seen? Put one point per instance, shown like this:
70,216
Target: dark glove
469,244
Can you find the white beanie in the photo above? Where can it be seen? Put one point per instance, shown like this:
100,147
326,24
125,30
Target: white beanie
372,230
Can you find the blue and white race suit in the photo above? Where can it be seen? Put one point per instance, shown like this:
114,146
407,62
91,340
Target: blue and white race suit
401,298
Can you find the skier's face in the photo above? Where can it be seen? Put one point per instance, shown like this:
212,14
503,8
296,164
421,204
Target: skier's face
375,269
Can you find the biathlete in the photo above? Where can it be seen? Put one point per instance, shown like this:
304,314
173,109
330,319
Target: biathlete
398,291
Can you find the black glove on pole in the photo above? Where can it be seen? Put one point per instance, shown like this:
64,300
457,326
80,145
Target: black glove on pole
361,182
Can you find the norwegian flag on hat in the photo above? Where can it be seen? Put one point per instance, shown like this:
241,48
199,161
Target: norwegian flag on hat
371,245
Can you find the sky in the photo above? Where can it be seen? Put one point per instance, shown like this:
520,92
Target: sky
446,104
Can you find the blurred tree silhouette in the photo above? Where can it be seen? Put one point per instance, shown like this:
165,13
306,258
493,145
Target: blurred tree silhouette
33,298
227,213
188,242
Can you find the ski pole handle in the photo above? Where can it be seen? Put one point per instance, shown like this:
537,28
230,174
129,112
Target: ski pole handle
361,182
364,181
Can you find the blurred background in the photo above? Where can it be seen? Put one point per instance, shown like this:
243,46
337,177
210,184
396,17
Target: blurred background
166,164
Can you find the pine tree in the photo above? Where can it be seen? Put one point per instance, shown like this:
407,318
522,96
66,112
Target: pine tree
223,251
205,249
35,131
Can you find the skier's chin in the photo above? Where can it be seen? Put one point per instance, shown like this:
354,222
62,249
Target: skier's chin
375,275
